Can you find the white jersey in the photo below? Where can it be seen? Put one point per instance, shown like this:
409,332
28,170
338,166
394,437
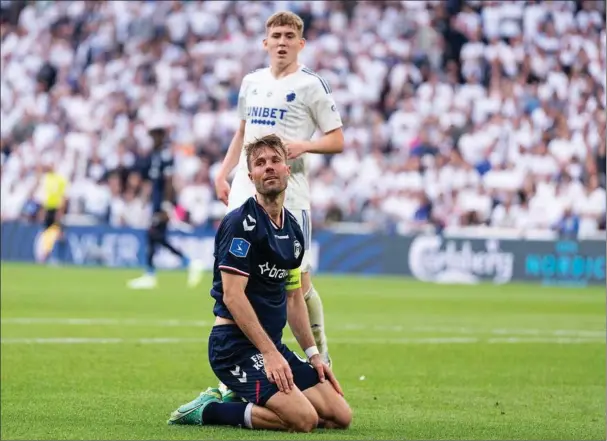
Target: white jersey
293,108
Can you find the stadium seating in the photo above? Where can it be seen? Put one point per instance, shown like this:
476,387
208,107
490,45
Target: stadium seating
456,114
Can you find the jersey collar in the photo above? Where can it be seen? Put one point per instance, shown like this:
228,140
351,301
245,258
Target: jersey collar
282,216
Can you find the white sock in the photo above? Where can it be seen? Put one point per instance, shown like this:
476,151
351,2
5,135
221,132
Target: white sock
248,416
317,319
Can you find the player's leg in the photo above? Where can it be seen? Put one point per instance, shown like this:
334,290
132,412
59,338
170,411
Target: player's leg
313,300
61,244
238,364
193,266
160,237
50,235
316,315
286,412
148,280
332,408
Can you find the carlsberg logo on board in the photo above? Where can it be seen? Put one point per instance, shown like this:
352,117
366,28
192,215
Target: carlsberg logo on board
434,259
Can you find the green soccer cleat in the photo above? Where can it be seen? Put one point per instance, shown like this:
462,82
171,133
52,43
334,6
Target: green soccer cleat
229,396
191,413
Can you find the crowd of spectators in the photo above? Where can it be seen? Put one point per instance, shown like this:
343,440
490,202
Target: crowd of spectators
455,113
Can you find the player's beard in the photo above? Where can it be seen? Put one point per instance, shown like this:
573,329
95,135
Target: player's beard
274,190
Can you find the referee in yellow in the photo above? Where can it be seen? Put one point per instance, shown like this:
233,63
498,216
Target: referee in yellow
54,186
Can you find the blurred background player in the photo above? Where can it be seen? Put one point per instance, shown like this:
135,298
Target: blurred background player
292,101
159,171
54,187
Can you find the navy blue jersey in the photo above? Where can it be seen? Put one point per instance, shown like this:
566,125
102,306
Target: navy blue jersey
249,243
159,170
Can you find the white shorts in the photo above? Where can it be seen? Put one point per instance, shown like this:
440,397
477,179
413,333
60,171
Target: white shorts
242,189
303,219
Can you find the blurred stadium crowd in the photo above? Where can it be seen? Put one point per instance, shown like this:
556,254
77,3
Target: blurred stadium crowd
456,113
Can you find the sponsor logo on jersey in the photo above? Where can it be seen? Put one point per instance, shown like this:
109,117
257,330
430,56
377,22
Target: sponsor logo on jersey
272,272
265,115
249,223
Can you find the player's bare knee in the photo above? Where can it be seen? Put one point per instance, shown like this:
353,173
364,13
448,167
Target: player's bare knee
306,421
343,417
339,414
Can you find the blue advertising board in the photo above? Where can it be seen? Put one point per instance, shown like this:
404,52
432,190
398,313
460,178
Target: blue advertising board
430,258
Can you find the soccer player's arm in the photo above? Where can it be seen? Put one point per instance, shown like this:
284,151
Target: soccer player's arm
167,172
235,148
297,312
234,253
324,112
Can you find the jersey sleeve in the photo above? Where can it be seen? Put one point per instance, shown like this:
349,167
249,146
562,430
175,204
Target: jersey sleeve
234,247
323,107
242,101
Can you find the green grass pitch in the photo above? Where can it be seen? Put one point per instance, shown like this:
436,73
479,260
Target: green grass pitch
85,358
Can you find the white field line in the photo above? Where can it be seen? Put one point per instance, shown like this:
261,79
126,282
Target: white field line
350,341
175,323
105,322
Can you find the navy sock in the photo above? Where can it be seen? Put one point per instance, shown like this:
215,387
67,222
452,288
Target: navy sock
225,414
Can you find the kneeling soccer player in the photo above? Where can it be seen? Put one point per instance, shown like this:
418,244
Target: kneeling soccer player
257,290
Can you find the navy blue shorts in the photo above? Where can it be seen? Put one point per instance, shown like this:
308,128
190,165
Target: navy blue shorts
239,365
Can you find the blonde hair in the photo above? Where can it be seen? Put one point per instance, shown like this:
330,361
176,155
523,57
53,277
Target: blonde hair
272,141
285,18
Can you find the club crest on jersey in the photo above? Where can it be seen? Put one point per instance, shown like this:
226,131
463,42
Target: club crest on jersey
291,97
297,248
239,247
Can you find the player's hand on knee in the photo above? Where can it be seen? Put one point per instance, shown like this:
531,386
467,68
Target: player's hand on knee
278,371
222,189
317,363
325,373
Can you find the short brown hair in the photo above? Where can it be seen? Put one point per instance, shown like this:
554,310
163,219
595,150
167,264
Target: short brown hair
285,18
272,141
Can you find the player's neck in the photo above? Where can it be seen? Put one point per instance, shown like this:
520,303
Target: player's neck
273,206
279,72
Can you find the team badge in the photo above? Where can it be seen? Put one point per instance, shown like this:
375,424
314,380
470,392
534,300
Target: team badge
239,247
297,248
291,97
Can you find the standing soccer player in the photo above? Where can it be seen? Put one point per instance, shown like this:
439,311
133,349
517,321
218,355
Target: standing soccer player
292,101
257,290
159,170
54,187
